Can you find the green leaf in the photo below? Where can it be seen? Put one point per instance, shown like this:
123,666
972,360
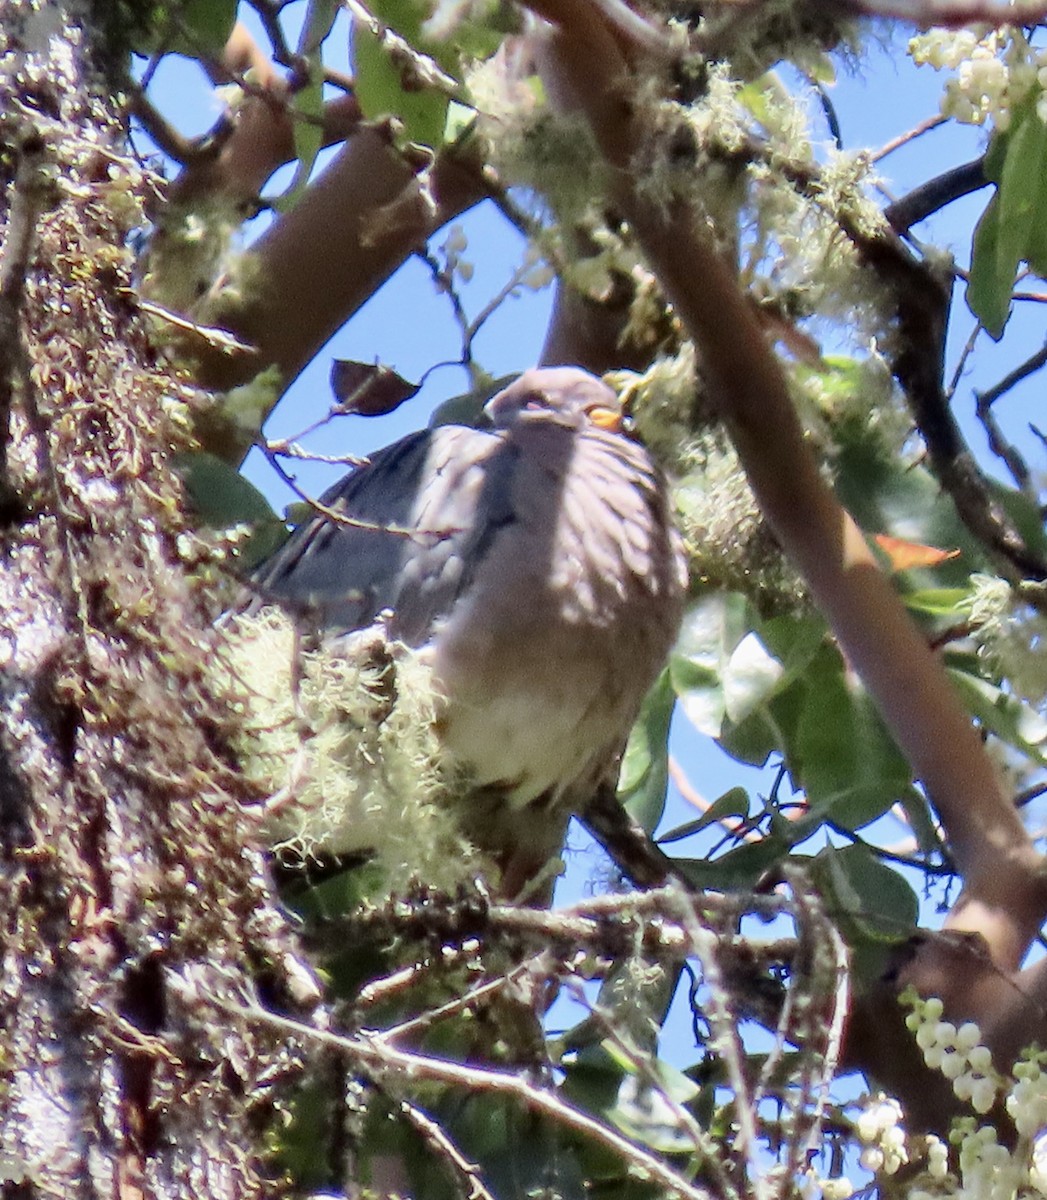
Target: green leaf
307,124
739,868
224,499
379,83
712,628
643,1111
1023,196
1013,227
937,602
319,18
644,776
896,496
753,740
921,820
848,763
993,269
870,901
195,28
733,803
1002,714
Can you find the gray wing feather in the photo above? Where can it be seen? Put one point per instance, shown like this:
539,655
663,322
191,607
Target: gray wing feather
431,504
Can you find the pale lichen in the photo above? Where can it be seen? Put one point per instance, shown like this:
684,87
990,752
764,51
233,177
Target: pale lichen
342,739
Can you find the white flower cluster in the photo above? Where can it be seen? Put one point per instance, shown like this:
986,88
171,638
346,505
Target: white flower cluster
956,1053
1027,1103
982,1167
995,70
1011,635
882,1135
814,1187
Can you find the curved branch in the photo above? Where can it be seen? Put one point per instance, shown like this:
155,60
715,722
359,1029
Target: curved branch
357,222
935,194
1005,896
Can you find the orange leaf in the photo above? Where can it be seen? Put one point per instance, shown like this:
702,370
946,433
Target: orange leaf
903,555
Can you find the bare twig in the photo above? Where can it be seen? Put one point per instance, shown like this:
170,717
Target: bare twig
904,138
220,339
961,362
1033,363
1004,449
341,518
705,945
370,1054
446,1151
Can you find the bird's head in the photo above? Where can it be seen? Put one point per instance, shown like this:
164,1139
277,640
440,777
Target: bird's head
566,396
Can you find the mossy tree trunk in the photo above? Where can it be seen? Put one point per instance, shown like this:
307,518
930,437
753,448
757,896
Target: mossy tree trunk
127,896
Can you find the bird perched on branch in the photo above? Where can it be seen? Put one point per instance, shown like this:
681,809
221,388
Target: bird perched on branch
535,566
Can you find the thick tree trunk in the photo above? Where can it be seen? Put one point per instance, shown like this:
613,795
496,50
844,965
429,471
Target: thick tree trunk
127,896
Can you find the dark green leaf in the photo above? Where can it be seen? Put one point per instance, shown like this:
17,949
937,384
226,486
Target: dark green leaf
733,803
753,740
737,869
993,269
850,766
869,899
223,499
644,776
195,28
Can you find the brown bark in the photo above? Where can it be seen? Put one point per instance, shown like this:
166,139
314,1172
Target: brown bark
128,893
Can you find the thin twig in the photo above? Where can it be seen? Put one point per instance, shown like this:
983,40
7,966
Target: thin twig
341,518
221,339
904,138
289,448
1032,364
961,363
372,1055
446,1150
470,1000
704,943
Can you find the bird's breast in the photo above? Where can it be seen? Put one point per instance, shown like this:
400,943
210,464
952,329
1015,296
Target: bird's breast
569,616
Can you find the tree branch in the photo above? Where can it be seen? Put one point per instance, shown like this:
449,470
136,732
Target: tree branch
372,1055
1005,896
952,13
935,194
